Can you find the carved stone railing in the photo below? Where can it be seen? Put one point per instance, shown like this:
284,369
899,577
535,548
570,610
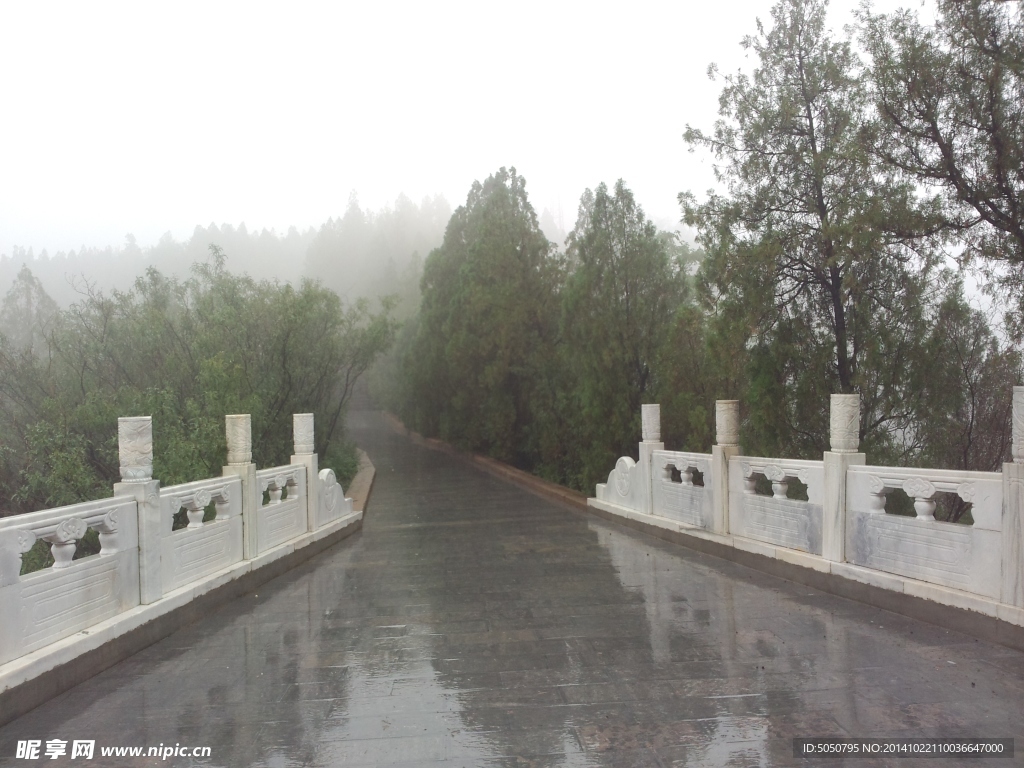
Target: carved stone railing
679,499
48,605
147,565
776,519
201,548
843,527
960,556
625,486
281,520
333,504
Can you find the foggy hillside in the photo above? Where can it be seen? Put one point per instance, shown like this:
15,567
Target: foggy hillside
364,253
359,254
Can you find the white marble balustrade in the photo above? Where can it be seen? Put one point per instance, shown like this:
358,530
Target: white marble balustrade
776,519
842,528
280,520
954,555
191,553
625,486
681,500
45,606
145,566
333,504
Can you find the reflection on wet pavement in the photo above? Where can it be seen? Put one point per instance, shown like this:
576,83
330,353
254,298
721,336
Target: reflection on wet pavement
473,624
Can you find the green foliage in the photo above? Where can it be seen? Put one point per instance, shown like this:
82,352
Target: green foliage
187,353
487,323
619,303
343,458
968,388
950,116
543,360
823,257
821,271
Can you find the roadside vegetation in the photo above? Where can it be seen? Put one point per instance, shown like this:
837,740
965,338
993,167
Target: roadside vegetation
866,236
859,194
186,352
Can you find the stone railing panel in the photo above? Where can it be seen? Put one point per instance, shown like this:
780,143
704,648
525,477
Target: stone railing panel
776,519
333,504
954,555
280,520
625,486
45,606
200,549
681,500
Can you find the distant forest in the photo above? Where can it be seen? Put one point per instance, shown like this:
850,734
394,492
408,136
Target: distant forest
360,253
865,180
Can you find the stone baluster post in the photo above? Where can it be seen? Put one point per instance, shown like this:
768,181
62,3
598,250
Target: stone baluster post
650,424
302,434
135,451
1013,510
238,428
844,439
727,445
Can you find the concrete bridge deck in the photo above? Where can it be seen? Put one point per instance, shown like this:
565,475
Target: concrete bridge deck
472,623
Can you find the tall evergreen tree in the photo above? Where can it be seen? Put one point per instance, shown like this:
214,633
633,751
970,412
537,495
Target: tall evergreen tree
817,253
620,304
487,323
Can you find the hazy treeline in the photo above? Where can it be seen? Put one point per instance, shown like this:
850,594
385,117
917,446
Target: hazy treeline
364,253
848,187
361,253
68,276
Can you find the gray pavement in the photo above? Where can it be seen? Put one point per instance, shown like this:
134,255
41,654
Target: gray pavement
472,623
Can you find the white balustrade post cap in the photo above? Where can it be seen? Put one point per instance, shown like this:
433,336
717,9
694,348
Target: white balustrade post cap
1017,446
135,448
650,422
727,422
302,432
844,423
238,428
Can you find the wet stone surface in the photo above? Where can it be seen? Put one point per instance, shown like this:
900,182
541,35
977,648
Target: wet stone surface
471,623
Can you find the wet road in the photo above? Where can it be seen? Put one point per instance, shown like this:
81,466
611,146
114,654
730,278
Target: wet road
471,623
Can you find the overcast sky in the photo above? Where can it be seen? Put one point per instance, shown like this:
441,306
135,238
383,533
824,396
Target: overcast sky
127,117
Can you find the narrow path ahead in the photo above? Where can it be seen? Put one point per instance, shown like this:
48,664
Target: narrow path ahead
474,624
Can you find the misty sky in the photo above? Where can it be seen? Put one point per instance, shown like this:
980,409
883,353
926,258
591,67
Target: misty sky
132,118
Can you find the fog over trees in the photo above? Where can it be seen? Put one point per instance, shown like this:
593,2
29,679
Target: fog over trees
864,179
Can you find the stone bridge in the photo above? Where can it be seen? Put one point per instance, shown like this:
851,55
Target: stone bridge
473,622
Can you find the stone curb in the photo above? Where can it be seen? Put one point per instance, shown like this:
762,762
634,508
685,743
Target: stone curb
537,485
362,484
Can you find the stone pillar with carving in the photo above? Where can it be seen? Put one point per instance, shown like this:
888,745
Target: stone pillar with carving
302,434
135,451
238,429
1012,591
844,441
727,445
650,425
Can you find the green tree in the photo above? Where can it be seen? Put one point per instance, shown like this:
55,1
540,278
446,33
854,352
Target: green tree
950,101
620,306
818,260
487,325
968,386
